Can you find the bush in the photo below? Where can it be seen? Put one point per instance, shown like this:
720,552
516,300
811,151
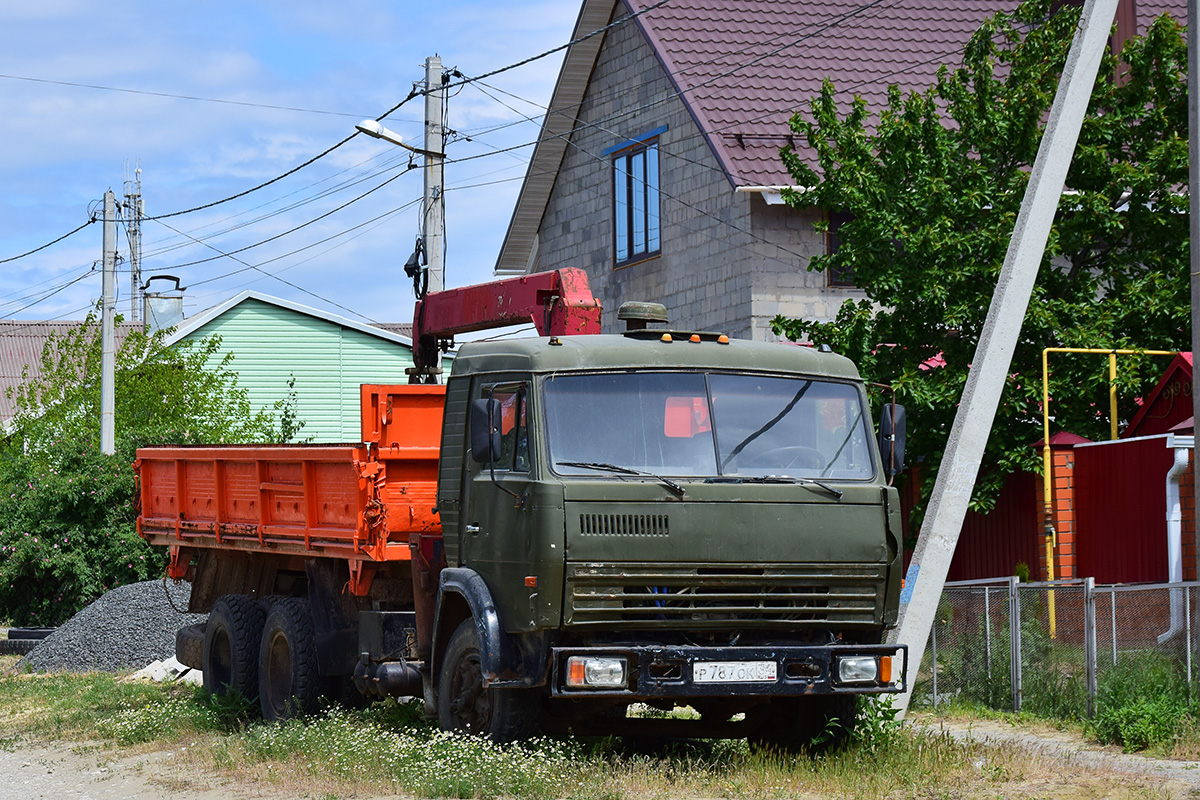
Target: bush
66,535
67,524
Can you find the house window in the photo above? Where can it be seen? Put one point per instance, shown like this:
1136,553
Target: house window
841,276
635,202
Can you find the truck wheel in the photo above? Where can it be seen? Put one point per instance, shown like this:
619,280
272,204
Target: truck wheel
18,647
289,683
815,724
189,646
229,654
465,704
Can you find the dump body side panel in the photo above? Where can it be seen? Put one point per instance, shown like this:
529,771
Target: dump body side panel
359,502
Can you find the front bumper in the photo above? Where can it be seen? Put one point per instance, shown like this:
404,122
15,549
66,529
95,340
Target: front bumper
659,671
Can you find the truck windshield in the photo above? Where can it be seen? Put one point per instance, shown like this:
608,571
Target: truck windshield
717,424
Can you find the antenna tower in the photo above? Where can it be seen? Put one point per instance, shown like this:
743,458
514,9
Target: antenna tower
135,210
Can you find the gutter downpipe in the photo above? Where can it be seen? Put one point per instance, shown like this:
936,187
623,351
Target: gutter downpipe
1175,532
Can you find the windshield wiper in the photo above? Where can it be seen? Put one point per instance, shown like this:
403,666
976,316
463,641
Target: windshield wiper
670,484
837,493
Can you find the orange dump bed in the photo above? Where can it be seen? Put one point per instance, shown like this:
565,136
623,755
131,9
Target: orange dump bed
357,501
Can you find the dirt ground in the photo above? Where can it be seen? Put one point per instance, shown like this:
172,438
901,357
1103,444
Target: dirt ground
1158,777
65,772
92,773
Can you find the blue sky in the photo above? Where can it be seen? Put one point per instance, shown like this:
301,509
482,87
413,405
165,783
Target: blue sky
64,145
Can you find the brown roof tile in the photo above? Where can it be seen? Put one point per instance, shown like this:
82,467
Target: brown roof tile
21,344
745,66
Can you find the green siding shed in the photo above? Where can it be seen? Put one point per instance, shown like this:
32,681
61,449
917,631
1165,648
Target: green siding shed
273,340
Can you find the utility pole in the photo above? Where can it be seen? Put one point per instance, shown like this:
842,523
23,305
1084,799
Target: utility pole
433,210
108,337
134,209
993,356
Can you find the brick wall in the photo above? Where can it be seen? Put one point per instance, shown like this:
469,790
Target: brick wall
1063,513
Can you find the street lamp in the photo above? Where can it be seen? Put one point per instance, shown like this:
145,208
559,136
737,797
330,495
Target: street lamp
372,128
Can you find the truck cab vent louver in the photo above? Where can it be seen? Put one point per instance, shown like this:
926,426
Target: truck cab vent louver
624,525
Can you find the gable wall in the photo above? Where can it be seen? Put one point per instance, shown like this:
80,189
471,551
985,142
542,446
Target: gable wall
329,362
729,261
700,275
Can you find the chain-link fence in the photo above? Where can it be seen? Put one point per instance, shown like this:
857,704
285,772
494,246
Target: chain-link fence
1070,640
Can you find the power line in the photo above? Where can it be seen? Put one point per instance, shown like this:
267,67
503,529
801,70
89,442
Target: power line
615,23
48,244
50,294
288,231
263,185
362,229
387,165
196,98
309,246
268,274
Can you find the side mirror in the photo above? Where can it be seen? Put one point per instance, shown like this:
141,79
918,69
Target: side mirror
891,438
485,430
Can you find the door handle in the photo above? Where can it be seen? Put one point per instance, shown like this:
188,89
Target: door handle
472,529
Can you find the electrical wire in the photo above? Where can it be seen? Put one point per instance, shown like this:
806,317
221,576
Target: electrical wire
362,230
269,274
262,185
309,246
48,244
50,294
388,164
173,96
614,24
280,235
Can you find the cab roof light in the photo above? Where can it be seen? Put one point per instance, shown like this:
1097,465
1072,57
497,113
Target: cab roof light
695,338
722,339
666,337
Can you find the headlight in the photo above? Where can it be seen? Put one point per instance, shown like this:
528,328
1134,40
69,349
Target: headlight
857,669
595,671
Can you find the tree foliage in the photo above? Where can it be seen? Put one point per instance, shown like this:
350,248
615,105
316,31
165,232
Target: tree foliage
934,184
67,529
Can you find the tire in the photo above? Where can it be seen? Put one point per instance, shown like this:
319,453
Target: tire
229,654
189,646
466,705
30,633
17,647
289,682
815,724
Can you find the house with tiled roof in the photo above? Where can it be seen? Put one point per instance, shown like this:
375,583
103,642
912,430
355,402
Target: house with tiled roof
658,167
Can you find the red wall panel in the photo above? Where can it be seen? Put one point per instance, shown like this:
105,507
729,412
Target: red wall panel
1120,491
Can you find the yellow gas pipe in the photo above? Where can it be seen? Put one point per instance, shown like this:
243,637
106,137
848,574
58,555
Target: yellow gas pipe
1047,466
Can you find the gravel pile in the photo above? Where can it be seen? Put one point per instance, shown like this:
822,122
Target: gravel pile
127,628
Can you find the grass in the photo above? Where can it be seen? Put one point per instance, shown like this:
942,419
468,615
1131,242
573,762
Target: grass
389,748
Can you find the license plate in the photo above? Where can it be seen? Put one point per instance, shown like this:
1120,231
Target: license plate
734,671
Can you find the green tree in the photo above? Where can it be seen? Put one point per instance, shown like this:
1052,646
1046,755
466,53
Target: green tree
67,530
932,186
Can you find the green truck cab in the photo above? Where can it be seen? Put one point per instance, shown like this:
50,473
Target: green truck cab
662,519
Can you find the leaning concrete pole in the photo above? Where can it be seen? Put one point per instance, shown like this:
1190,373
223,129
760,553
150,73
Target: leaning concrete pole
993,356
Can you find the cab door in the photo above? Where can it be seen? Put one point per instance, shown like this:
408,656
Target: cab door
496,536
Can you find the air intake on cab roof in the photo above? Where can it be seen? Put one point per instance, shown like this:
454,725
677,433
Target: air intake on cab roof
638,316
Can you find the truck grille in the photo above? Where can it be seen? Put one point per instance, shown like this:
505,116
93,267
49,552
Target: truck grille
707,597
